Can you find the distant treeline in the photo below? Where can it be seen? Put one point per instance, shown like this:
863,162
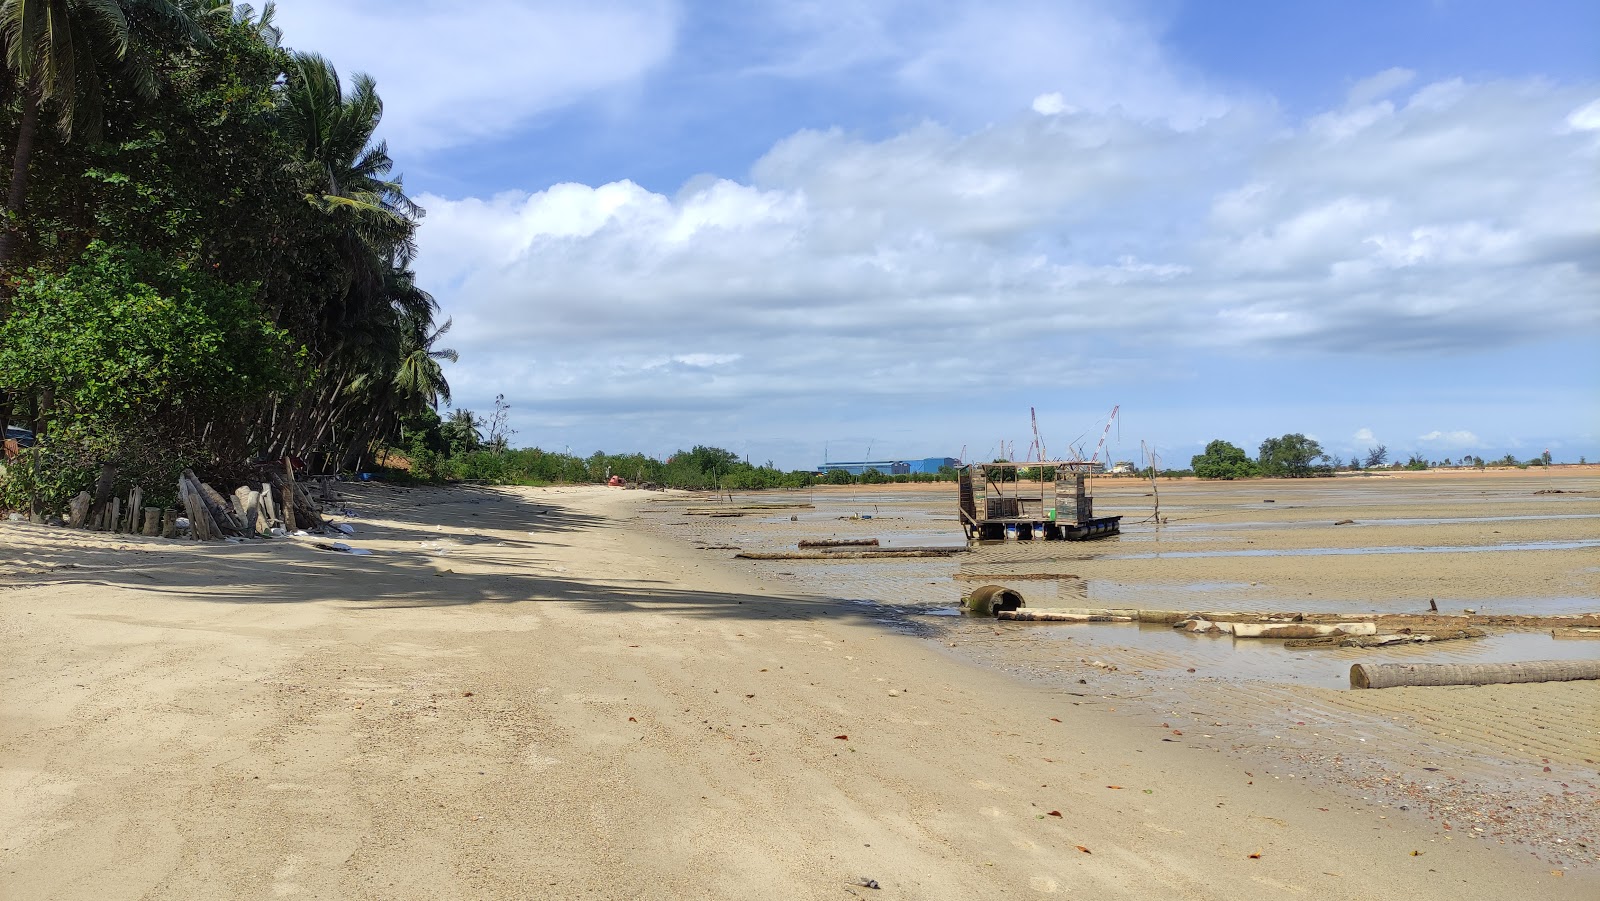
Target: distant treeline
701,468
1296,456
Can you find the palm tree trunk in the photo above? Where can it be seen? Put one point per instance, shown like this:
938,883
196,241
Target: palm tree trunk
19,175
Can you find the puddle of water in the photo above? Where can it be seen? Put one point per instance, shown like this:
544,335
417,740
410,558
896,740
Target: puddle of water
1252,660
1426,521
1353,551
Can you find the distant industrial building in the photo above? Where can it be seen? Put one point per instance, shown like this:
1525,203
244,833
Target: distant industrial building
892,467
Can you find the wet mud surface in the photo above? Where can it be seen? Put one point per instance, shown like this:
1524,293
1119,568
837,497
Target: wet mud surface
1517,765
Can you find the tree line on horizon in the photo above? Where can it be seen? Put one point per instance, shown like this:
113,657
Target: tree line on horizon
1296,456
205,256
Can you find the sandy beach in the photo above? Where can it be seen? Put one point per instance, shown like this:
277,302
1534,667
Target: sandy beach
565,693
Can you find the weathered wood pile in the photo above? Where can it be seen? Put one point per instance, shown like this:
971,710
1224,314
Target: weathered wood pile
252,511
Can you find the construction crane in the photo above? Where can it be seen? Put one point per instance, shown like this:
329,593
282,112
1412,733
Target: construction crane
1038,442
1098,447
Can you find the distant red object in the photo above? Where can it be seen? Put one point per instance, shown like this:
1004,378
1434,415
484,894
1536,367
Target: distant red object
615,482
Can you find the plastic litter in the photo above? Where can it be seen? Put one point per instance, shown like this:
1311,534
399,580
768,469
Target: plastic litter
358,551
346,528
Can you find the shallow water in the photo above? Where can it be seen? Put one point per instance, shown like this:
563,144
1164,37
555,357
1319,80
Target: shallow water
1162,650
1364,551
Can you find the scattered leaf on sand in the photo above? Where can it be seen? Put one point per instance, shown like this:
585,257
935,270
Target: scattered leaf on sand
1256,856
1054,720
1083,849
1053,813
632,720
842,737
1114,786
1417,853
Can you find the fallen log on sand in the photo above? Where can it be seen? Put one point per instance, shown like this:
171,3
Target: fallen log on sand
839,542
1575,633
1378,641
1061,616
1010,577
1396,675
864,554
1301,630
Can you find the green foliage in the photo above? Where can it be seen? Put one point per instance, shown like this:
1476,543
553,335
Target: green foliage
122,338
67,460
1377,456
838,477
1293,456
1223,460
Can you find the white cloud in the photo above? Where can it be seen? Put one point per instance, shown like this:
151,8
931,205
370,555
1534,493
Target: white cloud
1378,86
1586,117
1090,244
1458,438
454,73
1052,104
1363,435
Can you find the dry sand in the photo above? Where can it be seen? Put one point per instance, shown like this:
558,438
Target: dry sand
522,693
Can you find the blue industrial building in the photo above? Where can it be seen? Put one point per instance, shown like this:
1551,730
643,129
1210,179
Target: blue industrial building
892,467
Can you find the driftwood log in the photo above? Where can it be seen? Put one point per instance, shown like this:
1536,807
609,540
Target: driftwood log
865,554
1061,616
839,542
152,522
1396,675
102,495
79,510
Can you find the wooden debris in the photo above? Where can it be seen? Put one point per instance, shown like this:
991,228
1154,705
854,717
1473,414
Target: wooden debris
867,554
1575,632
1061,616
79,510
1301,630
838,542
1010,577
152,522
1378,641
1396,675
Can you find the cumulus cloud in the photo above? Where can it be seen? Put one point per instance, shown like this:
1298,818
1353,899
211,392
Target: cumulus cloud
459,72
1458,438
1086,243
1363,435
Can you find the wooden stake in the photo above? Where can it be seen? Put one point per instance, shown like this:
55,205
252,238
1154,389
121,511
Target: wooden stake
288,496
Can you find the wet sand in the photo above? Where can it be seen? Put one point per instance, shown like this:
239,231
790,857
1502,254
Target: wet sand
1512,765
552,693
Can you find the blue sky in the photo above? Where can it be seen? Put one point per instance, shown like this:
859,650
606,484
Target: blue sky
898,225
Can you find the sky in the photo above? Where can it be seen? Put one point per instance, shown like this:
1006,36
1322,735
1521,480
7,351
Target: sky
887,230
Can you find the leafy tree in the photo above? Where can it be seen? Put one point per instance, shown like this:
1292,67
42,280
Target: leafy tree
125,337
1292,455
1377,456
63,54
462,432
1223,460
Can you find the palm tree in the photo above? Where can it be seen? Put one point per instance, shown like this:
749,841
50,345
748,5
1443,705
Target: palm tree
420,379
62,54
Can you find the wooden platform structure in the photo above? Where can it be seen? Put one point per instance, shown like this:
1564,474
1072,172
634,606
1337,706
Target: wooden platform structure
1031,501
